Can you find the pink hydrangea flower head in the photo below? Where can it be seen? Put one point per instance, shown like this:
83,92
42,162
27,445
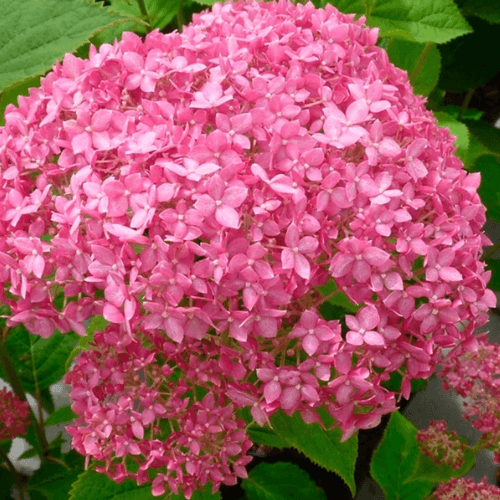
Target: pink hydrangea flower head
196,189
14,415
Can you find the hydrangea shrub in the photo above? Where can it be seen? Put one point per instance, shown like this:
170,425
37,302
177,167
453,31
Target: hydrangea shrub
209,193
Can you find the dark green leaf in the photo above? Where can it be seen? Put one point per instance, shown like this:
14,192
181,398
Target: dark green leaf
10,96
489,10
54,447
494,266
6,482
54,480
424,21
457,129
394,461
60,416
421,61
47,400
338,298
321,446
466,62
5,446
281,481
39,362
33,34
489,189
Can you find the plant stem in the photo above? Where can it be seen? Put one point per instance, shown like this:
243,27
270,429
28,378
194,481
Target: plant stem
17,387
144,13
466,103
15,474
421,61
181,20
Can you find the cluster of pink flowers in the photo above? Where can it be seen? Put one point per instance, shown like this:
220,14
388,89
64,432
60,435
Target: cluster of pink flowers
14,415
441,445
466,489
196,189
474,375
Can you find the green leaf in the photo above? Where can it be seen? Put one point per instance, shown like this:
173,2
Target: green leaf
206,494
97,323
395,459
160,12
47,400
54,480
321,446
91,484
427,469
33,34
421,61
457,129
489,189
466,62
7,482
265,436
208,3
54,447
494,266
281,481
39,362
489,10
11,95
424,21
487,137
339,299
60,416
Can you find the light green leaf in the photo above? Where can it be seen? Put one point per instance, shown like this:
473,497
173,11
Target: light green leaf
60,416
96,323
160,12
421,61
209,3
39,362
394,461
33,34
424,21
91,484
457,129
281,481
321,446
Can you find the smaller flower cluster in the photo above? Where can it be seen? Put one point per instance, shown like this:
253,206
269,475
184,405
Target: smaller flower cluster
441,445
472,371
146,413
466,489
14,415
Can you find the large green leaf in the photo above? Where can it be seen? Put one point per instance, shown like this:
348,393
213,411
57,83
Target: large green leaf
265,436
466,62
424,21
395,459
281,481
321,446
160,12
33,33
39,362
494,267
421,61
92,485
458,129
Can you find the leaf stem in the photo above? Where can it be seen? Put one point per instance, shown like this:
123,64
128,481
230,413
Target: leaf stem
421,61
17,387
15,474
491,251
466,103
144,13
